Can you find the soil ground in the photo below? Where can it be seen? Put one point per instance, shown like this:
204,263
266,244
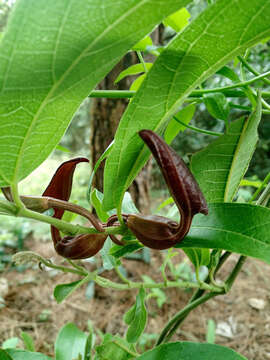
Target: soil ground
30,306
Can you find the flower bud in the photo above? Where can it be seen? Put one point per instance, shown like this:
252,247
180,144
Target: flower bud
155,232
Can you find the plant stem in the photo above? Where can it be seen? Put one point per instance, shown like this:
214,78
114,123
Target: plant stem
127,94
59,224
222,260
16,198
77,270
246,108
241,107
264,198
142,61
113,94
197,129
233,86
137,285
77,209
251,69
76,266
172,325
64,269
67,227
265,181
121,276
197,299
195,93
197,295
233,275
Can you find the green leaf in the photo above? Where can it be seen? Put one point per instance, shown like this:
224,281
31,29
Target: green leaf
10,343
96,198
217,105
128,205
211,331
189,350
133,70
70,343
203,47
129,315
62,291
69,216
109,261
102,157
174,127
4,355
228,73
137,83
47,68
110,349
120,251
220,167
157,293
89,342
166,202
178,20
142,44
16,354
240,228
28,341
136,318
62,149
198,257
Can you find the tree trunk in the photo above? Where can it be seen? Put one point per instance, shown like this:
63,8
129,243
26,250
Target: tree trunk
105,116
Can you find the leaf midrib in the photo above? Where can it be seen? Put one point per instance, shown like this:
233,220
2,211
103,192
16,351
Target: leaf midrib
62,78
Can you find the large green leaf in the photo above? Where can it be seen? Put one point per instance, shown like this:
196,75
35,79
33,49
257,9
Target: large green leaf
70,343
4,355
16,354
52,55
220,167
240,228
222,31
189,350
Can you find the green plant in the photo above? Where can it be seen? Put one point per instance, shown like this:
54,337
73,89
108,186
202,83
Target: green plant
65,54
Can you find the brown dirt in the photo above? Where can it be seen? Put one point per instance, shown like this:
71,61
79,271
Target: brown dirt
30,295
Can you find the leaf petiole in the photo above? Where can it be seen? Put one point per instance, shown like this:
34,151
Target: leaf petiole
208,132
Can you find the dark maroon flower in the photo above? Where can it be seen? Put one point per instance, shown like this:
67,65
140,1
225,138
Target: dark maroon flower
81,246
158,232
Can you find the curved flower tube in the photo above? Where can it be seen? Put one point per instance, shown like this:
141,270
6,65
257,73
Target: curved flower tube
158,232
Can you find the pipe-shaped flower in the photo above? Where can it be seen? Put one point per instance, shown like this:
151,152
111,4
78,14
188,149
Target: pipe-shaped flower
158,232
81,246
